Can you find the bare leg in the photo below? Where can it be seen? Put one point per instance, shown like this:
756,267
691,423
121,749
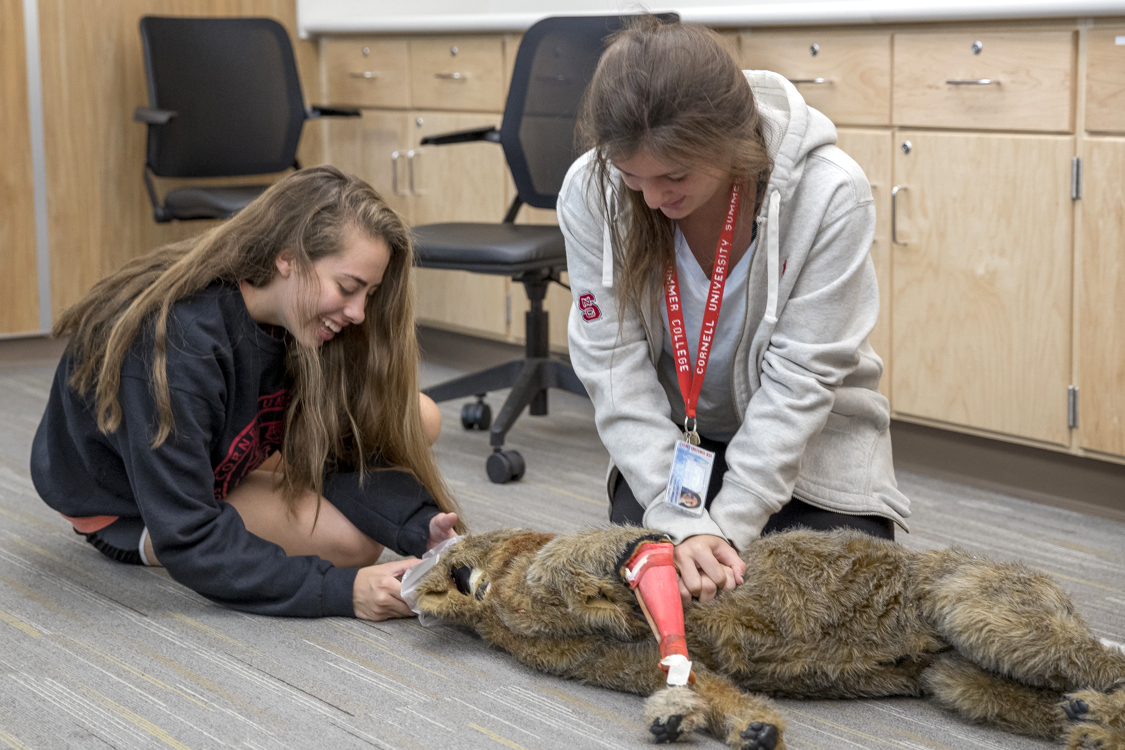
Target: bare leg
327,534
431,417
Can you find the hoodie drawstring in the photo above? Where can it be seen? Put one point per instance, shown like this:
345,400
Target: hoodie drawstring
607,242
773,257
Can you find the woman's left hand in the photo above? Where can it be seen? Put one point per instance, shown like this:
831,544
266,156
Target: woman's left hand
441,528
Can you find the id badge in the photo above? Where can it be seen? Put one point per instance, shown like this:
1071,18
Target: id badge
691,475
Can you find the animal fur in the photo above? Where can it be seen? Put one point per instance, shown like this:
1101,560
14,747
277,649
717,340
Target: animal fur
820,615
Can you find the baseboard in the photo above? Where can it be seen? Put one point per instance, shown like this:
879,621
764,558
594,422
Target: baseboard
30,351
1080,484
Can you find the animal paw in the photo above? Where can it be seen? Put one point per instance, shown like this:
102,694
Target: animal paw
666,730
759,736
673,712
1097,720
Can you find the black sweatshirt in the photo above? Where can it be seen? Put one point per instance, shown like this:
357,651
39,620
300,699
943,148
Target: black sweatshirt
229,391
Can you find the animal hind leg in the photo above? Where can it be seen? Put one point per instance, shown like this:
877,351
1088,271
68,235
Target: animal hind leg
958,684
1015,622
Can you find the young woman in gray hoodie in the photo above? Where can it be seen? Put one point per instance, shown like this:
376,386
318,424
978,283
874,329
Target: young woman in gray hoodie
692,159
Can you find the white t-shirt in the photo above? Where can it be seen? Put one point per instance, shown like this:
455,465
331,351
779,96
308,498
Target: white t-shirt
715,412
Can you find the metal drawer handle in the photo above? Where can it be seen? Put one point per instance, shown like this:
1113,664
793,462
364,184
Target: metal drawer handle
369,74
977,82
796,81
451,76
394,173
894,214
410,171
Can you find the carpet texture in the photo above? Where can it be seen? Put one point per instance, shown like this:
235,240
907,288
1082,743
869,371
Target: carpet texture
99,655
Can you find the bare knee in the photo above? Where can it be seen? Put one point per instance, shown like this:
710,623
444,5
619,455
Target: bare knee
338,541
431,417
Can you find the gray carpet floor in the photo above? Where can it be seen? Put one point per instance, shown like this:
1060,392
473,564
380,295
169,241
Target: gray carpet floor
99,655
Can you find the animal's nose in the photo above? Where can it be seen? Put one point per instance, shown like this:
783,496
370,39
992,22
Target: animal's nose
461,577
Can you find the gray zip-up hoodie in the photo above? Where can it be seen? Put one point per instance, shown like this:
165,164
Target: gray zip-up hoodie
814,425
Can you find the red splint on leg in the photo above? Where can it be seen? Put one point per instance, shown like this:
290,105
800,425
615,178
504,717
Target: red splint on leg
651,572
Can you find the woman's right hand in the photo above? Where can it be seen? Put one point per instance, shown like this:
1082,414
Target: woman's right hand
707,565
377,591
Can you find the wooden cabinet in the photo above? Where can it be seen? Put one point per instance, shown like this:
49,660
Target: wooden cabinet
872,151
982,281
1105,79
19,296
846,75
989,80
1101,299
998,291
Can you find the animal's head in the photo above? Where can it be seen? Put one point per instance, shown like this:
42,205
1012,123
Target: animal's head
537,584
455,588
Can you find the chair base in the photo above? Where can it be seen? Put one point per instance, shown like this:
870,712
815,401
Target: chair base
529,380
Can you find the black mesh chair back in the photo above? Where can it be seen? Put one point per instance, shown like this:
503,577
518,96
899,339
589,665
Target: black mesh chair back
233,85
554,64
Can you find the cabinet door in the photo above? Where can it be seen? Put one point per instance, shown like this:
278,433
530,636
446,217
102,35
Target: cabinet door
982,281
460,182
375,147
1101,302
1105,79
19,291
872,150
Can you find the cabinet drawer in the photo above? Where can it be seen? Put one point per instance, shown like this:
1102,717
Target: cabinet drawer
847,76
464,73
366,72
991,81
1105,79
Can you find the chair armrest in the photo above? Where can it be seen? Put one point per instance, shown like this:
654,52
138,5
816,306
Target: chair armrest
152,116
463,136
315,111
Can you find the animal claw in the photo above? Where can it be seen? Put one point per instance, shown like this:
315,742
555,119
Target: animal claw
760,736
666,731
1076,709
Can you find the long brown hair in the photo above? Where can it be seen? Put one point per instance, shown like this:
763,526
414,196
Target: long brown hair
675,91
352,398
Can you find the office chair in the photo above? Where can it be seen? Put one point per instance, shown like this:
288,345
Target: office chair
224,100
555,62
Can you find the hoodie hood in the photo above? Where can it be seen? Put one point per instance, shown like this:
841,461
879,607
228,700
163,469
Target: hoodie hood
792,129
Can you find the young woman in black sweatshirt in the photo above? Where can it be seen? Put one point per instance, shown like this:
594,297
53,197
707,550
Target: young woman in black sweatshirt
242,408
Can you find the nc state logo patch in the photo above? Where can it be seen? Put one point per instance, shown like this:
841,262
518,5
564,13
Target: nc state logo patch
587,304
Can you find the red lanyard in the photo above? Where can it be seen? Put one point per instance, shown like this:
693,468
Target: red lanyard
691,383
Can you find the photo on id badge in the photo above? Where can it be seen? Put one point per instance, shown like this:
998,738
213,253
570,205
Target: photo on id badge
691,473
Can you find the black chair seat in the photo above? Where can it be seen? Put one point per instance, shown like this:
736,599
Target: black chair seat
210,202
505,249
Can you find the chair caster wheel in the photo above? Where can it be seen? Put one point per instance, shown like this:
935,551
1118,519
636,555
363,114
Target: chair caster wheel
505,466
476,416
